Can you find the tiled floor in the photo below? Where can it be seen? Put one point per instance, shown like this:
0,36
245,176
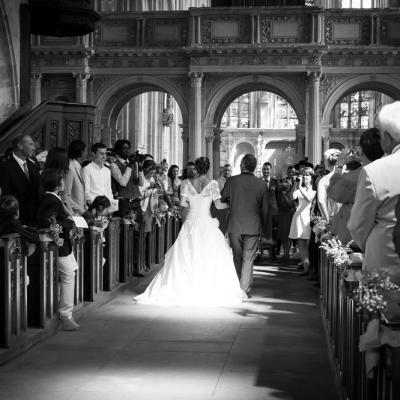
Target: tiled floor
272,347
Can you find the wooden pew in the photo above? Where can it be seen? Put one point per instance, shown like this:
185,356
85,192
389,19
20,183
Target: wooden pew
78,246
127,251
112,254
13,286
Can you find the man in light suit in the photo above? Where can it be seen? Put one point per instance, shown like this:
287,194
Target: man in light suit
74,187
246,196
373,217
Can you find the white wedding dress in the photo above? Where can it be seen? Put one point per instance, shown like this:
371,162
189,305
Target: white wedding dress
198,269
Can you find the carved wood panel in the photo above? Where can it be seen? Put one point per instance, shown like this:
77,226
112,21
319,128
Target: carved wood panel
286,29
212,29
166,32
348,30
73,131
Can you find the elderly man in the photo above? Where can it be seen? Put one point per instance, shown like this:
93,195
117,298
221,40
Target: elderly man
373,215
328,207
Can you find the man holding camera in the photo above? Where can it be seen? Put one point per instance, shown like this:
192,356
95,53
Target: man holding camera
123,171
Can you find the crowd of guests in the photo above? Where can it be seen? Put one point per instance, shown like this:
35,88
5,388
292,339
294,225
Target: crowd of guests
356,191
41,193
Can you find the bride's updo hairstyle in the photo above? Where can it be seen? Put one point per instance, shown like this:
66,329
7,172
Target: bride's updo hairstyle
202,165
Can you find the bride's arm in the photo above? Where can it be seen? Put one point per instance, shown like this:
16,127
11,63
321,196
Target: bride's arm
220,205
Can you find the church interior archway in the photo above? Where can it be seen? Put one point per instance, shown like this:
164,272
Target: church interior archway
258,118
151,121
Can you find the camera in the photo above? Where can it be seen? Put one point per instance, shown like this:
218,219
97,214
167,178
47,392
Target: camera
136,157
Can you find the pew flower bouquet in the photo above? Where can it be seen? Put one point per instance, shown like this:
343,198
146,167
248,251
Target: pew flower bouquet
320,226
160,211
370,296
174,212
131,218
337,252
54,231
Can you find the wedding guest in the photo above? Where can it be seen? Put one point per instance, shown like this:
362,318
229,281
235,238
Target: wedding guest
10,223
270,225
148,190
162,177
20,177
51,210
226,173
300,228
327,206
286,209
100,207
174,183
343,184
74,187
96,176
373,217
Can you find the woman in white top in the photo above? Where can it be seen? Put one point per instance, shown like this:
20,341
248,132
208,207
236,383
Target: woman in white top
174,183
300,228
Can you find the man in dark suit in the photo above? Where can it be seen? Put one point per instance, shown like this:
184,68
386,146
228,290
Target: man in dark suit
20,177
270,225
246,196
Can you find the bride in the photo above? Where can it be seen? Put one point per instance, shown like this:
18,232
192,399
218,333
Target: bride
198,269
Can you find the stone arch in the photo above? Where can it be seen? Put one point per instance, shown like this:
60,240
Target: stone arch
118,92
227,91
381,83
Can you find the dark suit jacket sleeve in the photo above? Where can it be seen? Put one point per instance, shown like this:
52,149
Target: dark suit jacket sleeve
4,180
265,209
226,191
53,206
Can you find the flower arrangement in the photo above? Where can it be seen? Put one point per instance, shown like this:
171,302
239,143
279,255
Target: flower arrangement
160,211
370,294
131,218
54,231
100,224
336,252
174,212
320,226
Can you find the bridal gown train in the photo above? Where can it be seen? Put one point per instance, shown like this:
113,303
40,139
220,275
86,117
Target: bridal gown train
198,269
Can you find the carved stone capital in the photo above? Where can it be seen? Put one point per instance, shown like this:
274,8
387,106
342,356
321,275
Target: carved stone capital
81,78
314,77
196,78
36,76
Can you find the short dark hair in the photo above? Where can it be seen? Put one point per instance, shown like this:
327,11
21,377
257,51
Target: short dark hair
370,143
100,201
97,146
202,165
267,164
119,144
10,205
19,139
249,162
190,164
76,149
290,167
51,179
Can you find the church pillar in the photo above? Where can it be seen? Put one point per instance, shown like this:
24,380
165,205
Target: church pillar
209,136
216,152
314,153
36,89
325,133
195,134
81,87
300,142
185,145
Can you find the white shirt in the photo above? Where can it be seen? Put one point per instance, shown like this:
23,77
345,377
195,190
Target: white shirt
121,178
145,193
97,182
20,162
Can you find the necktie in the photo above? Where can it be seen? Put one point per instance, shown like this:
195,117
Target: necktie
26,170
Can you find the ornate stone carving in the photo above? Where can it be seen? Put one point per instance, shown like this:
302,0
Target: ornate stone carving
177,38
116,32
389,26
73,131
243,35
303,30
196,78
53,133
364,30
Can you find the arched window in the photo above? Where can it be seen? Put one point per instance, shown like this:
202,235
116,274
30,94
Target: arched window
259,110
358,109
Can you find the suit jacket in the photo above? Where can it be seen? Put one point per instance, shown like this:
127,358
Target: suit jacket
396,229
246,196
373,215
272,206
51,205
74,191
13,181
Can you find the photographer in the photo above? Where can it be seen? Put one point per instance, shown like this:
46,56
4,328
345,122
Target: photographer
123,172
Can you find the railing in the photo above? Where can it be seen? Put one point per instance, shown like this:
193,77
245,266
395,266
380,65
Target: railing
124,248
344,326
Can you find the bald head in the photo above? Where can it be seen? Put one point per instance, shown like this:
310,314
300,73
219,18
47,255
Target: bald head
388,123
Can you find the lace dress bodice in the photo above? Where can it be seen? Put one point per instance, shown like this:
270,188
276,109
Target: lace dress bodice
200,202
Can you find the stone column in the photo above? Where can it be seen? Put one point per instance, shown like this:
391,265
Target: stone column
216,152
195,134
36,89
314,138
81,87
185,145
300,142
209,136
